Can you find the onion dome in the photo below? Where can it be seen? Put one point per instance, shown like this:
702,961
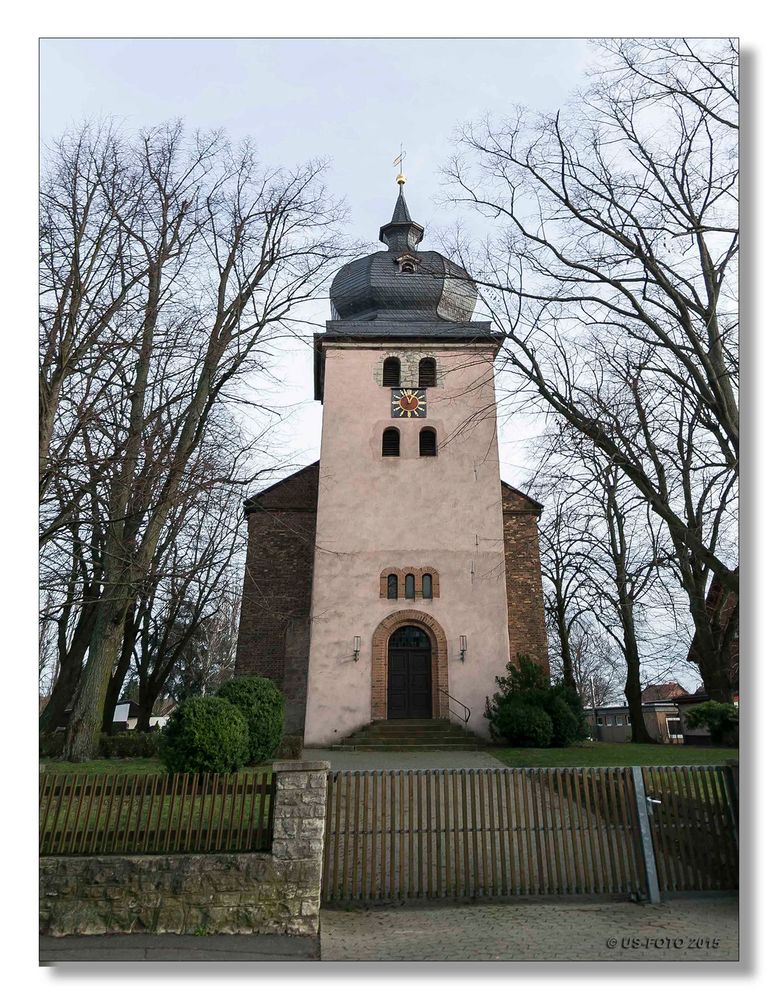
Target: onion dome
403,283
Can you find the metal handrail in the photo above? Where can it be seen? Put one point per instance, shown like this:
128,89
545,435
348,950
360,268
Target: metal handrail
466,718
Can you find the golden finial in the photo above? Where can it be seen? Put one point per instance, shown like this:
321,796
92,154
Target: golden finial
399,161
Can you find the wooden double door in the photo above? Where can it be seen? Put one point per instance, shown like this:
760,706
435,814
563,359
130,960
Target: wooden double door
409,692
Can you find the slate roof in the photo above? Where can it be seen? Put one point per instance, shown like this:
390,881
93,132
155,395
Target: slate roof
375,288
373,299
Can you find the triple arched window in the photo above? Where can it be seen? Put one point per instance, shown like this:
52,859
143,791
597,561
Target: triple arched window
410,583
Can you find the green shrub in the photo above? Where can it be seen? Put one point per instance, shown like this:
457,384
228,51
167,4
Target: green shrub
130,745
721,720
205,735
524,725
51,744
566,727
121,745
262,705
526,686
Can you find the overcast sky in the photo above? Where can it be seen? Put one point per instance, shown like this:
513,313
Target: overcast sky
350,101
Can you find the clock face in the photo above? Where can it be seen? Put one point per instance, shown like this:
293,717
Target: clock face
409,402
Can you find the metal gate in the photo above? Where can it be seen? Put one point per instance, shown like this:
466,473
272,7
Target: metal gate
695,828
467,833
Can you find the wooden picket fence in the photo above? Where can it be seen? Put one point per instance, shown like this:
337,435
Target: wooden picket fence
510,832
155,813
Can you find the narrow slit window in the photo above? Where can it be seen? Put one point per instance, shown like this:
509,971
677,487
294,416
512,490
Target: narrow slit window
426,586
428,443
392,372
390,443
428,375
410,587
391,586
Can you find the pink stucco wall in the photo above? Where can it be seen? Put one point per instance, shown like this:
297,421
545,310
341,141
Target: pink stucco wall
374,512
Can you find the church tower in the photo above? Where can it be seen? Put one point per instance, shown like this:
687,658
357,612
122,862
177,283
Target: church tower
416,576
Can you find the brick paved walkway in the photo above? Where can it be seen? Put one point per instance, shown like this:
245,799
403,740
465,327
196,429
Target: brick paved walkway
535,931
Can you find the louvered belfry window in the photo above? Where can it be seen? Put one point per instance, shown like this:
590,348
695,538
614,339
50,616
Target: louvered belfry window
392,372
428,444
427,373
390,443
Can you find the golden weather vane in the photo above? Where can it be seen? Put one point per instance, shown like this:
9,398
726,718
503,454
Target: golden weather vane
399,162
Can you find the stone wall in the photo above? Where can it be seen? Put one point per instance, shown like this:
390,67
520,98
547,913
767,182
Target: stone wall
274,892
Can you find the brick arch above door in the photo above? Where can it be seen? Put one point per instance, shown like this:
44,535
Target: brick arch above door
380,661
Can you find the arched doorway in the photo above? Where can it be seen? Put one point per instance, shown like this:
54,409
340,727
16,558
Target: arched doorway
409,683
379,670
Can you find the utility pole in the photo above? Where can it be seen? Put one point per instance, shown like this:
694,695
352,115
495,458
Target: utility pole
594,709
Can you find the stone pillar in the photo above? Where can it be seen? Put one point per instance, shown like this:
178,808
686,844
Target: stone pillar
299,816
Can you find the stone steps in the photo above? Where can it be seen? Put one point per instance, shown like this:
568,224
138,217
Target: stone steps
410,735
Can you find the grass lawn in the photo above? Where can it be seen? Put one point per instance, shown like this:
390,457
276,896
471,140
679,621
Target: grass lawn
603,754
136,766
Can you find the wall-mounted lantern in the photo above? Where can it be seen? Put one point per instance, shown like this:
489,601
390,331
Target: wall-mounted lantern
357,647
462,647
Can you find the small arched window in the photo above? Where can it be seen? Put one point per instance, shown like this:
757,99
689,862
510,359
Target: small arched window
391,586
428,375
426,586
428,443
390,443
391,371
410,587
408,268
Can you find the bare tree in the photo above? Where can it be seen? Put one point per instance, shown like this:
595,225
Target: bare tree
562,563
598,666
612,554
611,271
218,255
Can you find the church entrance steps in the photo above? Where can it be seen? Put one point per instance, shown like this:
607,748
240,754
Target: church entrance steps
411,734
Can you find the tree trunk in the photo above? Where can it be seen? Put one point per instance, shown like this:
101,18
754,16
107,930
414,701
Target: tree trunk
712,642
119,675
86,717
633,690
54,714
147,698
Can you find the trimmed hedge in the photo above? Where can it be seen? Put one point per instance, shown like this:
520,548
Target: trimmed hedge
205,735
262,705
130,744
122,745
